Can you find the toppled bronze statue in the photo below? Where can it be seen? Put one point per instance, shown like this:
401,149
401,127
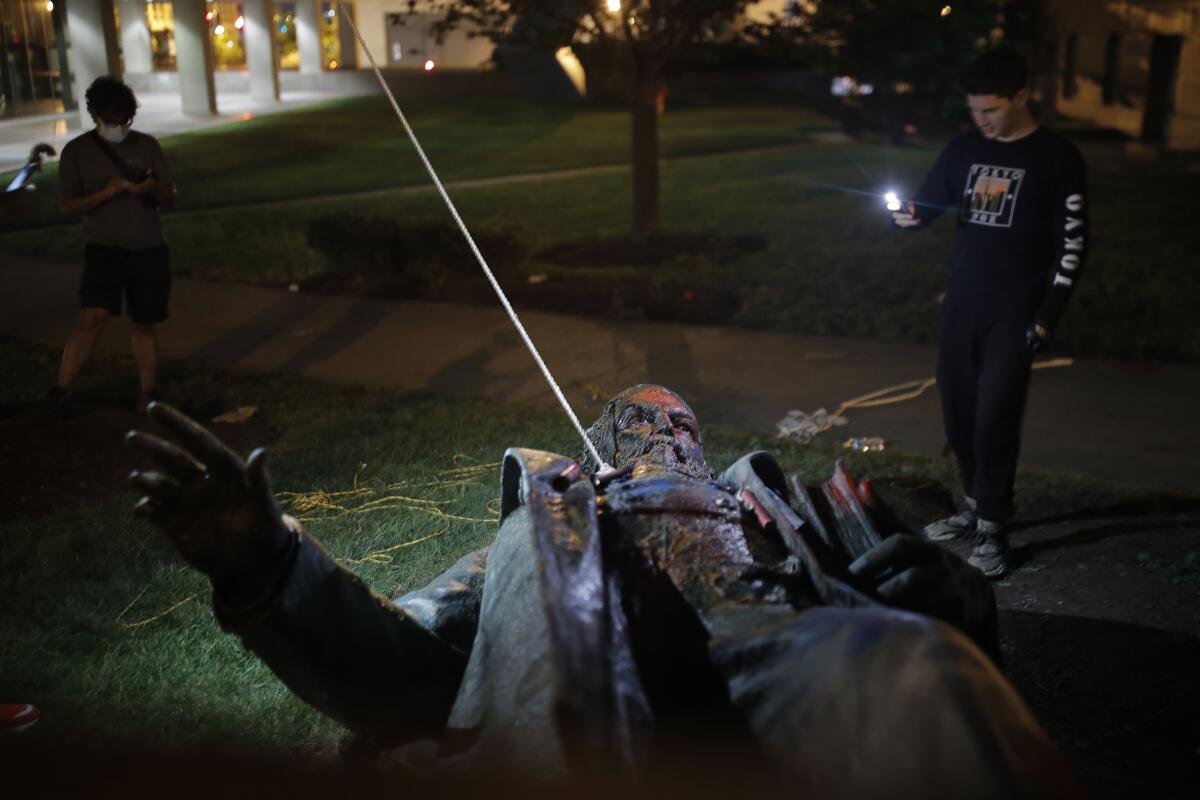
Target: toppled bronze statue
627,620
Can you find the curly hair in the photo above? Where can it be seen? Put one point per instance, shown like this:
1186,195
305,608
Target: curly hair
109,94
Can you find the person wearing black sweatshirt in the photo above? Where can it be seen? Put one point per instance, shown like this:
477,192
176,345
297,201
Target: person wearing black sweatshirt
1020,242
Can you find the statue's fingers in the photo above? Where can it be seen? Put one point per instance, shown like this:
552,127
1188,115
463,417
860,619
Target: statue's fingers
895,553
208,448
260,481
176,461
910,582
879,559
155,509
154,484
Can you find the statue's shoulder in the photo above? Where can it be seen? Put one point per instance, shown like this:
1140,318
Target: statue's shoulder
529,474
759,468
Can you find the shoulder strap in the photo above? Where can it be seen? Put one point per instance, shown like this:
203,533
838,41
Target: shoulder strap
122,166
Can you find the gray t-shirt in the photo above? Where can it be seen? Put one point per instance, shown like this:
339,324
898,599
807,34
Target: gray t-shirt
126,220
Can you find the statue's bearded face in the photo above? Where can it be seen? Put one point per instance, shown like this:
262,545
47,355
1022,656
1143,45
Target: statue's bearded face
654,428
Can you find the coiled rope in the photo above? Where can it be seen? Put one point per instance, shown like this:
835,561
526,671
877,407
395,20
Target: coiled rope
886,396
487,271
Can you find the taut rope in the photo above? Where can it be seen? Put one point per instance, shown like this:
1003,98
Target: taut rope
512,314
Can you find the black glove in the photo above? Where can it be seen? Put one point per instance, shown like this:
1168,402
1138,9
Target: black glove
1035,341
217,510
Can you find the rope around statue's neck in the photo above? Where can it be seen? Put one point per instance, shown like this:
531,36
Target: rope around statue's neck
587,443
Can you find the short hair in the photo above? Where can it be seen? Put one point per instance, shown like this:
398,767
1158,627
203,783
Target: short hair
109,93
1001,71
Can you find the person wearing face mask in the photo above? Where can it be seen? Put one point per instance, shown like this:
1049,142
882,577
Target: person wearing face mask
1019,246
118,180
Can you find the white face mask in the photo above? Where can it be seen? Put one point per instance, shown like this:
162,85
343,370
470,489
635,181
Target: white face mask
114,134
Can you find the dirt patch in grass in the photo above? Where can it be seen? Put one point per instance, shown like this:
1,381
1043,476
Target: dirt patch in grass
55,460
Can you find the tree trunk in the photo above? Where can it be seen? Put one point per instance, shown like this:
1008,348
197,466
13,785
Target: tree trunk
644,143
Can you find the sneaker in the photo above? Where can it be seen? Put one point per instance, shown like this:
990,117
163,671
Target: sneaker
17,717
953,527
991,551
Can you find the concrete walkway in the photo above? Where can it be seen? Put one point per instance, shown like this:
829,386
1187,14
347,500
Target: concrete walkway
1131,423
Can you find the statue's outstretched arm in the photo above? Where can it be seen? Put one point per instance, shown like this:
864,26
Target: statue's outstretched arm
217,510
341,647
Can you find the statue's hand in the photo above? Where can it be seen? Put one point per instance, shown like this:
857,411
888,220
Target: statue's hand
218,511
920,576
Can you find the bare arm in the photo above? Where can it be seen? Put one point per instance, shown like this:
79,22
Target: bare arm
87,203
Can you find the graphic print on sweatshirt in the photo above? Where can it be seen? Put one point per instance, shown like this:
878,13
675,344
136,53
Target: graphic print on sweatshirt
991,195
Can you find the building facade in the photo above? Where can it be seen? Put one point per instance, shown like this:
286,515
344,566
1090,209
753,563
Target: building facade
50,50
1131,64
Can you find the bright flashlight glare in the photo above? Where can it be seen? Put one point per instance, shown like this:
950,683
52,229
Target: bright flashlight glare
49,5
893,202
429,65
219,30
614,6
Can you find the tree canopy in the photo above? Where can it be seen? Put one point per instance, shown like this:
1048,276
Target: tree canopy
920,46
652,32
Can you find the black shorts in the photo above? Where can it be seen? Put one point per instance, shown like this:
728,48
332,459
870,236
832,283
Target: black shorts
143,275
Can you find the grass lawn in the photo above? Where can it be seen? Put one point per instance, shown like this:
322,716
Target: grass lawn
830,262
357,144
101,616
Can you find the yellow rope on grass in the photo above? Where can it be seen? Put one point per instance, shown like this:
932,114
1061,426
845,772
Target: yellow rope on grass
384,556
324,505
156,617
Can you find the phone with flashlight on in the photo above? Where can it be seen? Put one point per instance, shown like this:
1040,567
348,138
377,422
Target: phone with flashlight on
903,213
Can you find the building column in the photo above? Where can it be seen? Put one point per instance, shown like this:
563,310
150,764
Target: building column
262,64
58,18
92,38
135,36
1112,69
347,41
1162,86
1070,82
194,59
308,36
1046,78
